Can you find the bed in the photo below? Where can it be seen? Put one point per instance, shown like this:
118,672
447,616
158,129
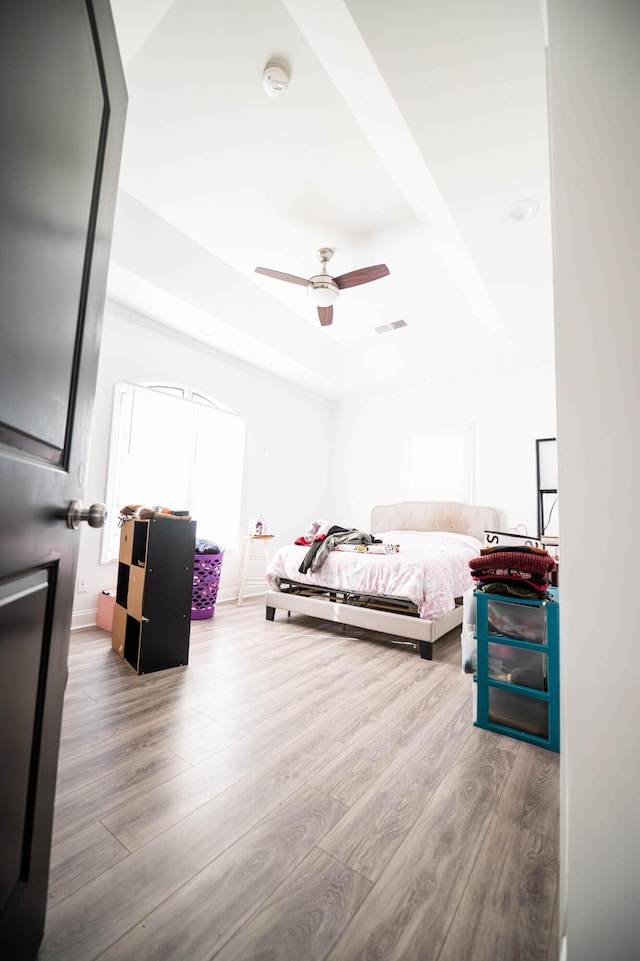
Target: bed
414,593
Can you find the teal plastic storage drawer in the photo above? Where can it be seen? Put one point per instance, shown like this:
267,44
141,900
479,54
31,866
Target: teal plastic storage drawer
521,622
528,715
518,667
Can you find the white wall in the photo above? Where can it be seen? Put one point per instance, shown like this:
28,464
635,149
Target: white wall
305,459
508,411
594,87
287,441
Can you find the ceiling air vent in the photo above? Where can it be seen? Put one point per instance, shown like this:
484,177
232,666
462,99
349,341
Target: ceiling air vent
394,325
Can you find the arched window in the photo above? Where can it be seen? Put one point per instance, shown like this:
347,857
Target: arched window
173,447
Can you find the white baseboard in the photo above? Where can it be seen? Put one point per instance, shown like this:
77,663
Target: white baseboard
231,594
82,619
226,594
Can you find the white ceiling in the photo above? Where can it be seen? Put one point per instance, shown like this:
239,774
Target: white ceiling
407,131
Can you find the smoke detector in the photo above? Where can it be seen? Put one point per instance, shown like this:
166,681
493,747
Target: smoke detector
275,80
523,210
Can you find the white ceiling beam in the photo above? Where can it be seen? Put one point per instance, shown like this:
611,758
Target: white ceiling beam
333,35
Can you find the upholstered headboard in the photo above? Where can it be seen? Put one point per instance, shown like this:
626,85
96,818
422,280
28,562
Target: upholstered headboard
434,516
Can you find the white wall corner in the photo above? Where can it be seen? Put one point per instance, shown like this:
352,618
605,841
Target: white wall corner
545,21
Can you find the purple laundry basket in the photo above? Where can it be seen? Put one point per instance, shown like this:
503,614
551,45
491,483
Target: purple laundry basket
206,579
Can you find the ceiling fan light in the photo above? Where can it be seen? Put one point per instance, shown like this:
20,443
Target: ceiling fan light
323,294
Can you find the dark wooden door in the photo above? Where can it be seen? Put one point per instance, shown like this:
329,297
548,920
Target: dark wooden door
62,106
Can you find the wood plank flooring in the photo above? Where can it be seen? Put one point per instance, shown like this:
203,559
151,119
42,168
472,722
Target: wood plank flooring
297,793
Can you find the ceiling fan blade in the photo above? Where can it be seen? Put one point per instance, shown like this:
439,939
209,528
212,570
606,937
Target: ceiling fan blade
361,276
291,278
326,315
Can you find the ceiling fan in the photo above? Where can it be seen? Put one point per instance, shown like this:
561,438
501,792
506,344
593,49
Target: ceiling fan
324,289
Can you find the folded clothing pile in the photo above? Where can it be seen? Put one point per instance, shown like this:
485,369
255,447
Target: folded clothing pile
143,512
513,571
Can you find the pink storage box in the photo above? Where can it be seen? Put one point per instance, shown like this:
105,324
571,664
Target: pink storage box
104,616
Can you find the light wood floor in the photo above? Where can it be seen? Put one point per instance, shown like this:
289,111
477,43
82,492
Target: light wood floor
295,793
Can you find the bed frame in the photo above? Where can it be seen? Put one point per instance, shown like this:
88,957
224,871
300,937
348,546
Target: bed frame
394,616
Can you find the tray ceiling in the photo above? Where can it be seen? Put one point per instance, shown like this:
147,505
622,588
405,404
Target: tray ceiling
407,131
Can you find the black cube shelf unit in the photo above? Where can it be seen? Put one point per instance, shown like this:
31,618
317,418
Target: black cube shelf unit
152,614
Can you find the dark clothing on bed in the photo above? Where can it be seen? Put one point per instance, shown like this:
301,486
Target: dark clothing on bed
319,550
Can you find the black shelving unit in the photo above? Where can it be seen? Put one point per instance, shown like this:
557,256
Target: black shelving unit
152,613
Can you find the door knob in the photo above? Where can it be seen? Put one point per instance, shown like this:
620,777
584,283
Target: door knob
95,516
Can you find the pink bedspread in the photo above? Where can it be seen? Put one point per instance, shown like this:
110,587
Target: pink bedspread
430,569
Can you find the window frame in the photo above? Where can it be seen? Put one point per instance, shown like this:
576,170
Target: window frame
171,389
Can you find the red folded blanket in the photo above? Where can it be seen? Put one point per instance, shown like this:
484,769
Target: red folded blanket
535,563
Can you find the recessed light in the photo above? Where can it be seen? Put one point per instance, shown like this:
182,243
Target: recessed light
523,210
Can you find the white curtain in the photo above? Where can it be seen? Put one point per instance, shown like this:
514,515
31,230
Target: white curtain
171,452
